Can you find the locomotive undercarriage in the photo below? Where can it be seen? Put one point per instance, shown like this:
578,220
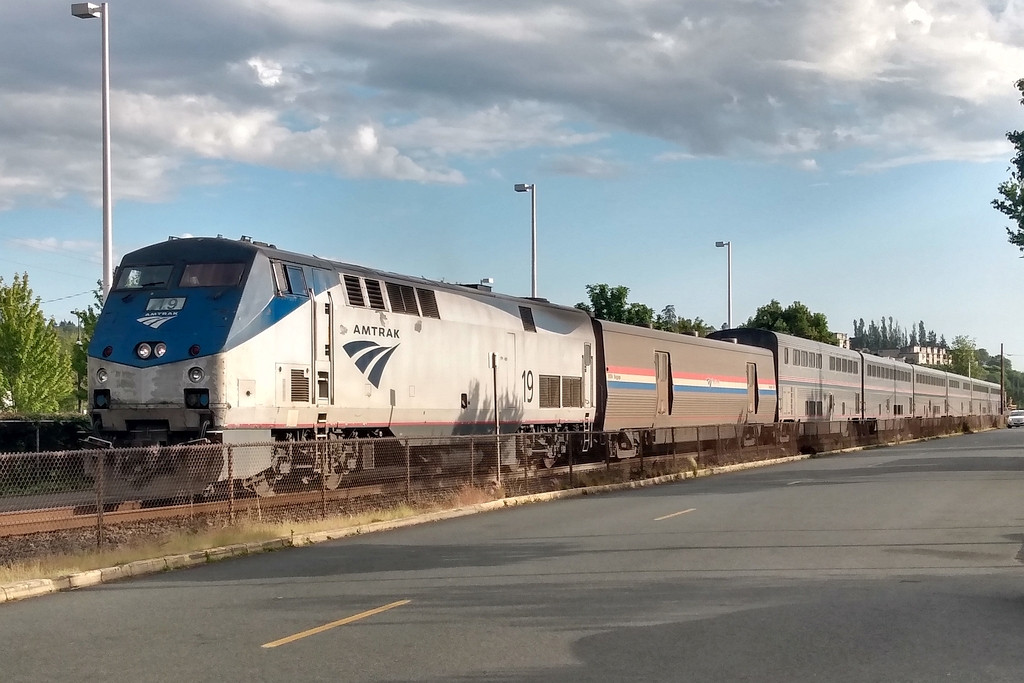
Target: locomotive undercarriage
162,465
549,445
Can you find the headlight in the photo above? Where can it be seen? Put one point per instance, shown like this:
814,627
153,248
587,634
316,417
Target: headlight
159,349
196,375
143,350
101,375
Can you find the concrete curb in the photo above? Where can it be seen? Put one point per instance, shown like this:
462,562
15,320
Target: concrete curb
38,587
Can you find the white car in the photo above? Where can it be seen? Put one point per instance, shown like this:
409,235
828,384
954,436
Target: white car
1015,419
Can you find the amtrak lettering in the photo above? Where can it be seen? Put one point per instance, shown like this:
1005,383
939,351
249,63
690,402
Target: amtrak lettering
156,319
388,332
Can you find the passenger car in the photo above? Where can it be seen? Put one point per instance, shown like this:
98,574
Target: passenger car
1015,419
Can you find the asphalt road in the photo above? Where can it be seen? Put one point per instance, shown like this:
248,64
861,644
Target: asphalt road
899,564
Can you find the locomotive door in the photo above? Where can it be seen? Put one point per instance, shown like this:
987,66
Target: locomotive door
322,351
508,395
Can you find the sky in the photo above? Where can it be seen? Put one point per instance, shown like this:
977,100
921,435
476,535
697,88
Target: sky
849,150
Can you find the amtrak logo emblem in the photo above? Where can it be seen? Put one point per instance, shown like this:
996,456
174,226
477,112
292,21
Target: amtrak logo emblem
154,321
370,357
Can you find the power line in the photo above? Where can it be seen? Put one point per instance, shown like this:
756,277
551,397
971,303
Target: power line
69,296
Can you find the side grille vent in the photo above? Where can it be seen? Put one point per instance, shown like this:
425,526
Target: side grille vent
428,303
374,294
572,392
550,396
355,292
299,386
403,298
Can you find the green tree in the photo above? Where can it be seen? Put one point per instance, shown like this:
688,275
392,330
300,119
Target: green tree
963,356
796,319
670,322
1011,199
35,368
79,354
610,303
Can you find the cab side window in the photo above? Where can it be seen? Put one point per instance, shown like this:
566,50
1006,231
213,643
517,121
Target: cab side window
290,279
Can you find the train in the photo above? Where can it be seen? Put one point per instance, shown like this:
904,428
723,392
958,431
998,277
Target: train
218,342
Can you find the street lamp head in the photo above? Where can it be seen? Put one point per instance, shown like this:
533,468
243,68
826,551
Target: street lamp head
721,244
86,10
523,187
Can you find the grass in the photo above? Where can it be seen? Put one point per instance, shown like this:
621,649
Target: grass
244,530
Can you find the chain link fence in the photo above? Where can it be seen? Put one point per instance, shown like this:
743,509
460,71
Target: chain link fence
301,480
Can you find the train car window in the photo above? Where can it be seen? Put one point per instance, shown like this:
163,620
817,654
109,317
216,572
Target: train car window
526,315
803,359
428,303
290,279
323,280
354,291
211,275
818,359
296,280
144,277
831,362
787,356
374,294
856,368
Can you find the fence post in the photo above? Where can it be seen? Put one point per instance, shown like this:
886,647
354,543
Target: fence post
675,449
698,448
322,447
472,461
99,498
408,482
572,447
231,486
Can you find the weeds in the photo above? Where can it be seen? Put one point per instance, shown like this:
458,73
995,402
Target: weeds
247,529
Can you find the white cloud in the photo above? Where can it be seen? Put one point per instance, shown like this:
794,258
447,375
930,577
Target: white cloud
268,73
584,166
415,91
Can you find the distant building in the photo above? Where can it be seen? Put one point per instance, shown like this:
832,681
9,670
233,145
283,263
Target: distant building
843,339
926,355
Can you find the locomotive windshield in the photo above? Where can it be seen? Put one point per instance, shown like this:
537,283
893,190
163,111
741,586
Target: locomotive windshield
142,277
212,275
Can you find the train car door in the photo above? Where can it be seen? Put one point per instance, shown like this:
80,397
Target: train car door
788,408
661,381
752,395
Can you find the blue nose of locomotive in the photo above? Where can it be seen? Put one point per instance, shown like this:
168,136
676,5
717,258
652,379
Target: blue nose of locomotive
173,301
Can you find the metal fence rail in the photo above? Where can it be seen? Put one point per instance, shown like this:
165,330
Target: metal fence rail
295,480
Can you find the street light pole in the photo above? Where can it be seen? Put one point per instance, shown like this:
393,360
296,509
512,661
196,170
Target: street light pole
728,249
88,10
532,189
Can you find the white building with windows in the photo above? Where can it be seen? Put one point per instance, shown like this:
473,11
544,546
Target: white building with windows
926,355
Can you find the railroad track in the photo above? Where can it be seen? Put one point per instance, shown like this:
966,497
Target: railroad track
64,517
83,516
